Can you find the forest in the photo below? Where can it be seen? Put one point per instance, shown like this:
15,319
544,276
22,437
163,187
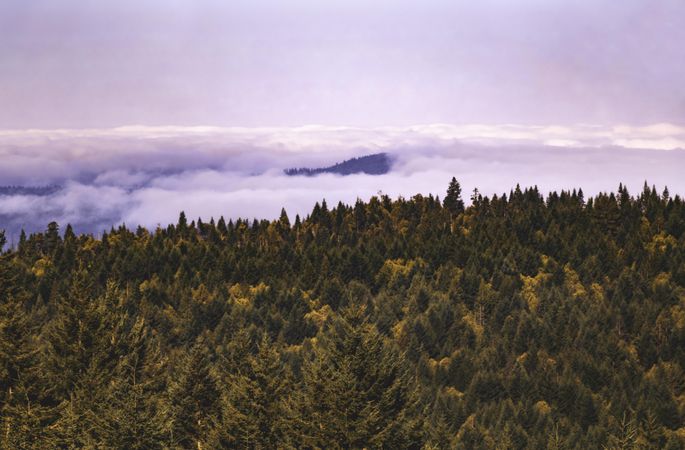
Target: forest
519,321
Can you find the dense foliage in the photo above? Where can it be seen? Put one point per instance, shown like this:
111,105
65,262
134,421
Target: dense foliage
518,322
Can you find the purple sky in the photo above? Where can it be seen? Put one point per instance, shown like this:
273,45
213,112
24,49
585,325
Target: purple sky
140,109
91,63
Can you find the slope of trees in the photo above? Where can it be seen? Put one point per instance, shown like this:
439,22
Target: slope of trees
518,322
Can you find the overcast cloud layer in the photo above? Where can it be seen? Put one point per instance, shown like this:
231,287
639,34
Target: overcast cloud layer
147,175
93,63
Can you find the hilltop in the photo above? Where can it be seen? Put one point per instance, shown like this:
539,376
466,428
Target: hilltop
376,164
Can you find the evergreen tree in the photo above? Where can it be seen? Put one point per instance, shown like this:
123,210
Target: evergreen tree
129,415
254,403
191,403
357,392
453,202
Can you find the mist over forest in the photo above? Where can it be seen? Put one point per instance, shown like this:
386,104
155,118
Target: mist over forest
96,179
298,224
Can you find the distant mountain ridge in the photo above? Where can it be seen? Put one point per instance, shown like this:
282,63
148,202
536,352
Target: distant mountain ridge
376,164
30,190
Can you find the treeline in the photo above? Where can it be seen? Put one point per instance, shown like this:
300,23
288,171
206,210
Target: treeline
519,322
376,164
30,190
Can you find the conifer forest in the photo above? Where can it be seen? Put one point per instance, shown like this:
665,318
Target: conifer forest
513,321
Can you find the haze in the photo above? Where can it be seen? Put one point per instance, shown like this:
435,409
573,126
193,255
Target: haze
89,63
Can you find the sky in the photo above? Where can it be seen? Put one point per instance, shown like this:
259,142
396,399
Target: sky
141,109
91,64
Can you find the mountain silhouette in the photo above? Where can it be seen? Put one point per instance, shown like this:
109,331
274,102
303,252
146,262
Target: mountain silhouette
376,164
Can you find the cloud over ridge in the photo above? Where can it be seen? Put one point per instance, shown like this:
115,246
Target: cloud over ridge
145,175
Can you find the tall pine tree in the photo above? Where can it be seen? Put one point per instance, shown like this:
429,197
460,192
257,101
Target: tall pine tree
453,201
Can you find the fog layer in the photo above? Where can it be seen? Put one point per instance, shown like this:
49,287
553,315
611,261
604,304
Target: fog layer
147,175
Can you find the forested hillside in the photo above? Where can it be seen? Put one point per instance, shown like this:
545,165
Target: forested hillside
376,164
518,322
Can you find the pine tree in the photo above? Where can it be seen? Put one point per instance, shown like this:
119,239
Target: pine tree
357,392
66,341
555,440
253,404
129,415
52,238
283,219
79,354
191,403
626,437
23,417
453,202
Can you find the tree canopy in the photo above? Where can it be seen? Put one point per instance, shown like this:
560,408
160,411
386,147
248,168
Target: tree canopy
520,321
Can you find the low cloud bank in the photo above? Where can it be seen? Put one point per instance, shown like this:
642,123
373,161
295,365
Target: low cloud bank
147,175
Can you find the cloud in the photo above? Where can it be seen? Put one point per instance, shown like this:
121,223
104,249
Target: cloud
88,64
147,175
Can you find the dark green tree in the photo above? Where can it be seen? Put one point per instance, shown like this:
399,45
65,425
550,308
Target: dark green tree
452,201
